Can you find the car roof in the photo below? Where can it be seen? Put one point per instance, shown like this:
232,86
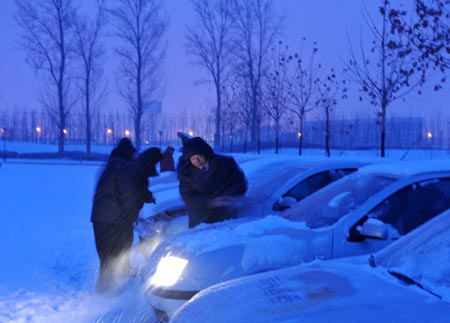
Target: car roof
407,168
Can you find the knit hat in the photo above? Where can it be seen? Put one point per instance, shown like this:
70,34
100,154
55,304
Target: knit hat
197,146
125,148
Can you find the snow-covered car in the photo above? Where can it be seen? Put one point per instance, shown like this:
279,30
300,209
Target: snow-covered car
273,187
357,214
407,281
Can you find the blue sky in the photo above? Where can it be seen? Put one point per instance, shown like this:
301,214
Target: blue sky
326,21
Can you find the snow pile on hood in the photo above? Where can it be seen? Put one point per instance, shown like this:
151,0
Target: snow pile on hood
207,237
283,250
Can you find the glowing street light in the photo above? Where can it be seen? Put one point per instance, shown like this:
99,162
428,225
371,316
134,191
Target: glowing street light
191,133
65,131
38,133
127,133
109,131
429,135
299,135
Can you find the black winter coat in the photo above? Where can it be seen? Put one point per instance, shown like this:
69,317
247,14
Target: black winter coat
113,199
145,167
122,188
199,186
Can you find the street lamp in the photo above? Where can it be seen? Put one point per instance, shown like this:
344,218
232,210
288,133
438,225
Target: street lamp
3,132
299,136
160,135
108,135
127,133
38,133
430,142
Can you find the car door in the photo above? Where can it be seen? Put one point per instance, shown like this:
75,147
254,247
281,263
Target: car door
308,186
398,214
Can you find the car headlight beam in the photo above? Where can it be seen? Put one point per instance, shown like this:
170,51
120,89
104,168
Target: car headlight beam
168,271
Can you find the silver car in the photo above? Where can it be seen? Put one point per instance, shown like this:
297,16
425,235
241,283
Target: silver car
273,187
358,214
405,282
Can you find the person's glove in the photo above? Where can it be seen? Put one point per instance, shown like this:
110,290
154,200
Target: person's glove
150,199
222,201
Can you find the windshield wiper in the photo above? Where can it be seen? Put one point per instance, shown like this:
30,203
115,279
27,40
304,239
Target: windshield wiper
411,281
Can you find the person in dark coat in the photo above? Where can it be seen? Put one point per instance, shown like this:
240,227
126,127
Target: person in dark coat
120,193
208,183
145,168
167,162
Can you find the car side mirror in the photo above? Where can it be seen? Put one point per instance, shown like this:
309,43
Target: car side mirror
284,203
373,228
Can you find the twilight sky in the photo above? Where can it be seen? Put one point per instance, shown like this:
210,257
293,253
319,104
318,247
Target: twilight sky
326,21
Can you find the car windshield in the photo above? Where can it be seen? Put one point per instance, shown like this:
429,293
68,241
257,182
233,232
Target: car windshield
269,179
424,259
337,199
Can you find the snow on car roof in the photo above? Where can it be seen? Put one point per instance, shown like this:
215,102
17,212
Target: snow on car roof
407,168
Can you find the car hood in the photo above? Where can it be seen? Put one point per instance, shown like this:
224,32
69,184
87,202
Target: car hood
241,248
338,292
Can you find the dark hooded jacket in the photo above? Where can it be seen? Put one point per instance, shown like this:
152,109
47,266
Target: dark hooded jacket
145,167
112,199
221,177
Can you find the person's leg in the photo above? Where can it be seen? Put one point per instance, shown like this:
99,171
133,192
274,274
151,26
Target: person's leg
113,242
104,237
122,248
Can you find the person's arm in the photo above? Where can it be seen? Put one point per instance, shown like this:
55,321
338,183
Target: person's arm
235,182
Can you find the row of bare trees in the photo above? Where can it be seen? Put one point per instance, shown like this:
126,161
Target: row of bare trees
257,78
67,50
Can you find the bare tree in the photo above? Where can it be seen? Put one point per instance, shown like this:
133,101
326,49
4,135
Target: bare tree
328,94
429,31
277,93
257,25
140,26
47,38
91,54
303,88
208,43
388,76
235,115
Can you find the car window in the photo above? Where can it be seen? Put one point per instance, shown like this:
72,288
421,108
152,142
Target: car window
413,205
316,182
269,179
424,259
337,199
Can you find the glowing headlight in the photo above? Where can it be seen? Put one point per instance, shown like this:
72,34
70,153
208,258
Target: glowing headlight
168,271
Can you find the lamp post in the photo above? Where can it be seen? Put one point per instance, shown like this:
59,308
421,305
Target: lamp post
108,136
430,143
38,133
300,137
3,131
160,136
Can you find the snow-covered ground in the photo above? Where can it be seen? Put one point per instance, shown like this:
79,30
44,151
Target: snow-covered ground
47,251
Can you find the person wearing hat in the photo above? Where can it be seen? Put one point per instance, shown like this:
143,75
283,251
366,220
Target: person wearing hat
167,163
121,192
208,183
